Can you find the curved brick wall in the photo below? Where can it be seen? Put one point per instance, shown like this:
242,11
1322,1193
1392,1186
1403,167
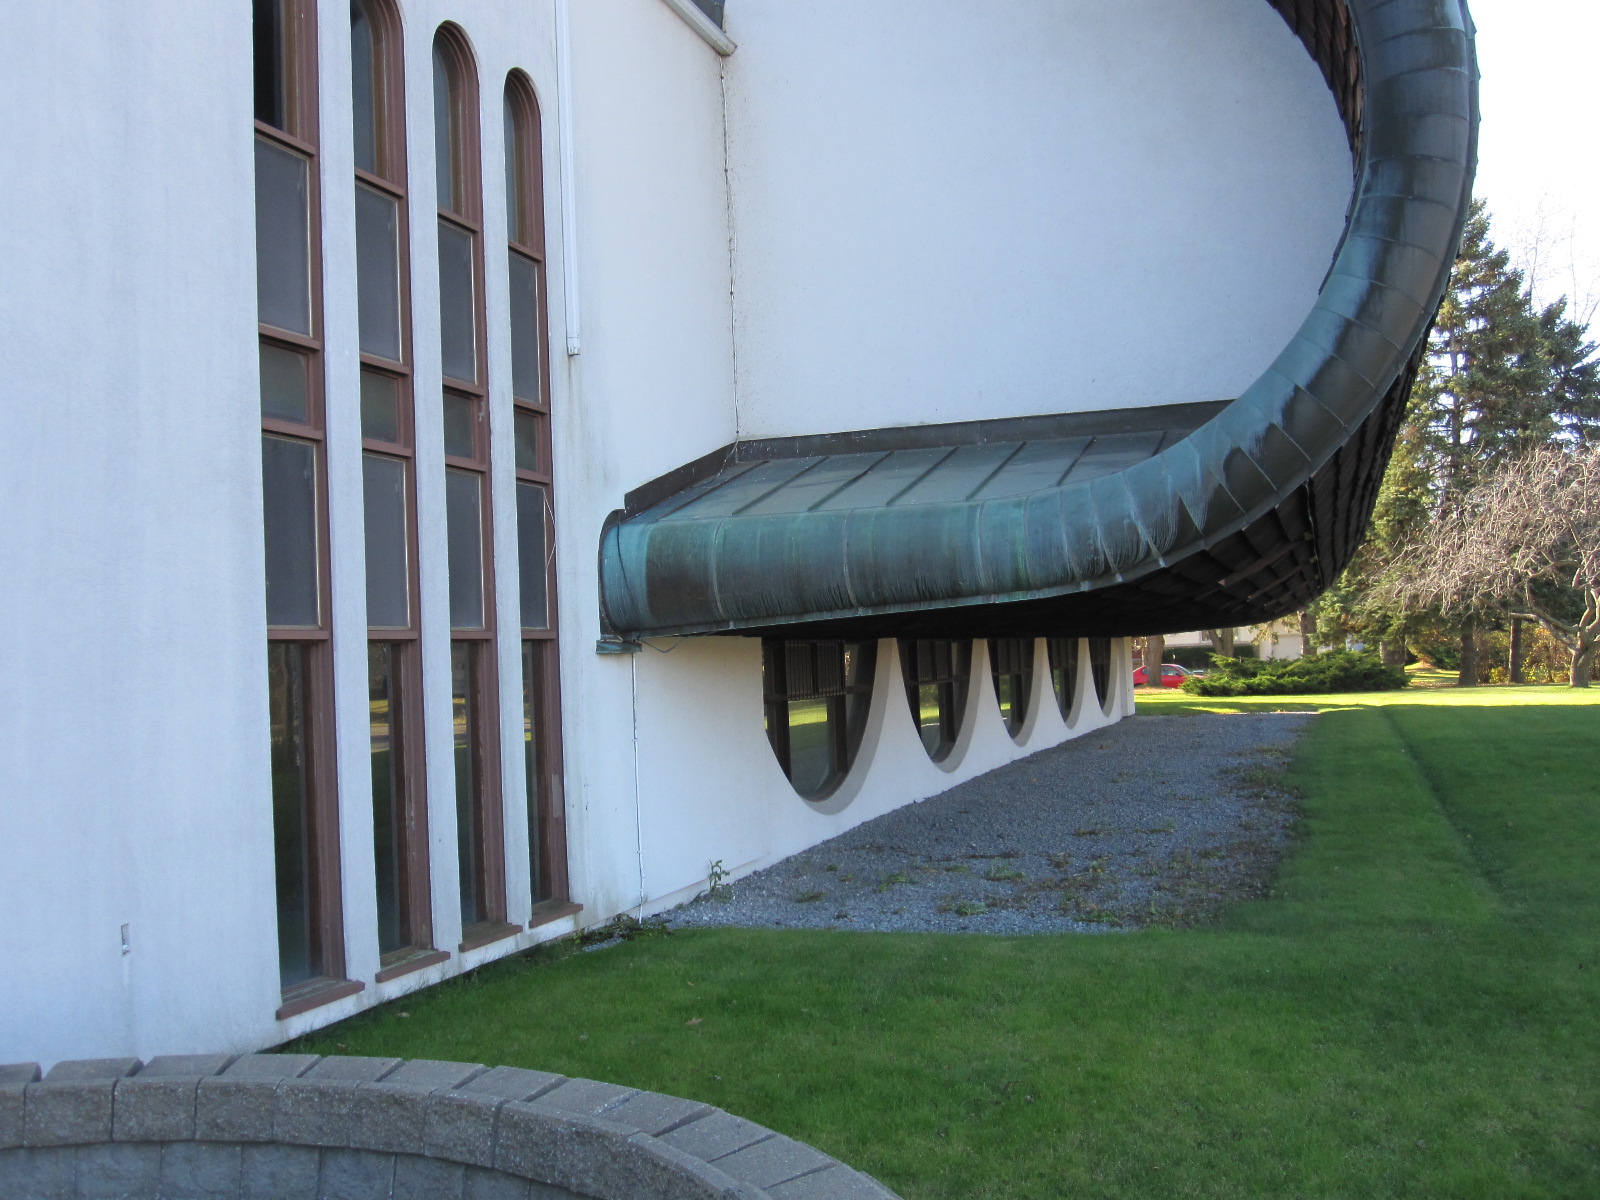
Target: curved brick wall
300,1127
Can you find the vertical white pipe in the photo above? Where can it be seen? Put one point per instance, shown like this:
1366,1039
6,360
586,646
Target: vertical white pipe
569,188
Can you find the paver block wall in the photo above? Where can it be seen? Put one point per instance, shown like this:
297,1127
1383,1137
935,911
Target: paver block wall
301,1127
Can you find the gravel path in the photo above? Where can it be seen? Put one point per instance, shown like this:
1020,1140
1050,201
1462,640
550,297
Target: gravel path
1152,821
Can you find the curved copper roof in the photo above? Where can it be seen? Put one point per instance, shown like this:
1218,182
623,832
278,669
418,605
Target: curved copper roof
1137,521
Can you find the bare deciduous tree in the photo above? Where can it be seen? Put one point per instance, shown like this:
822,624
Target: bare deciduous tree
1526,540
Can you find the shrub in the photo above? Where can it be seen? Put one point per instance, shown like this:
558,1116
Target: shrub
1336,671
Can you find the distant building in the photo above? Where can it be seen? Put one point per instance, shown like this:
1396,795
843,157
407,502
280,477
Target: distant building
471,468
1270,639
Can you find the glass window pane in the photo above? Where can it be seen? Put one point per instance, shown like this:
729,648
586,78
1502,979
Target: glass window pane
818,695
285,393
810,745
388,805
363,87
380,407
1011,662
271,64
532,555
856,663
458,306
388,548
469,808
525,383
288,703
929,717
445,133
464,530
936,673
527,437
533,733
516,225
1064,672
378,272
855,706
1100,668
283,238
460,425
289,500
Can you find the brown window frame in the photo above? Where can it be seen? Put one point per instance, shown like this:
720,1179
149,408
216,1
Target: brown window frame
387,178
487,828
1065,662
325,897
1014,659
541,653
919,668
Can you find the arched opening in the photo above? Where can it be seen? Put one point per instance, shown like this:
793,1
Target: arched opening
936,673
1011,665
817,696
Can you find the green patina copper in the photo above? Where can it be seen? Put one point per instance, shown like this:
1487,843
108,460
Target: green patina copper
1205,515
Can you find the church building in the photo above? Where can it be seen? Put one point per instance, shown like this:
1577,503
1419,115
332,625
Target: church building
473,469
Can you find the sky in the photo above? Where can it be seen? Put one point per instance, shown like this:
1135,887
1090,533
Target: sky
1539,163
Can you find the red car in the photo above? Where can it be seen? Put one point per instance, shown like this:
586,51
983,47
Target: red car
1172,675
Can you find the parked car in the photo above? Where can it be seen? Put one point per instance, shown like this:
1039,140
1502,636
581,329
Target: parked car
1172,676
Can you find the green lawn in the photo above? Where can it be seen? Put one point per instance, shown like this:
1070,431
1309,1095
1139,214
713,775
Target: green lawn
1414,1012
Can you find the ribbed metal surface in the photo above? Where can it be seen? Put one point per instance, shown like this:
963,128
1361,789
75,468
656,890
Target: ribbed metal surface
1248,516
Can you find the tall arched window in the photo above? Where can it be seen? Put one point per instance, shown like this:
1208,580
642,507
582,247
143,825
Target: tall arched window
294,506
394,659
467,509
536,566
1063,652
936,677
817,698
1100,668
1011,664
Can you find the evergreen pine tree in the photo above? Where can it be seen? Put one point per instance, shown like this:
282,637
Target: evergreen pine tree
1574,386
1500,378
1482,393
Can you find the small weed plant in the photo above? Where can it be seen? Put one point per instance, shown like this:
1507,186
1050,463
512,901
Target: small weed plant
962,908
717,885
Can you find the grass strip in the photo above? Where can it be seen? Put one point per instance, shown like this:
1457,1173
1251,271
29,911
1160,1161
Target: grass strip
1412,1012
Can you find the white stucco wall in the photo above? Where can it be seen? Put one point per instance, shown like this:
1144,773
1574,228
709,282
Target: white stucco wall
133,770
133,725
711,790
134,786
653,386
134,783
948,210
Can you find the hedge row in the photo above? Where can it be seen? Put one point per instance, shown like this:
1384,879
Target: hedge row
1335,671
